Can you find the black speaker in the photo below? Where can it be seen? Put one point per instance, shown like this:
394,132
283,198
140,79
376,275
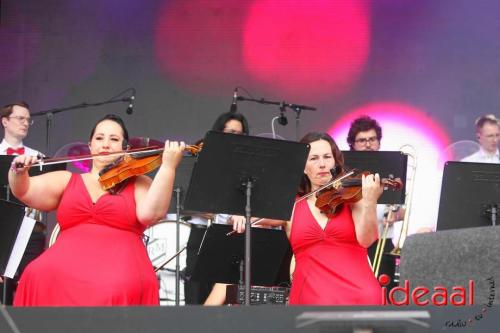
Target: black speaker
468,258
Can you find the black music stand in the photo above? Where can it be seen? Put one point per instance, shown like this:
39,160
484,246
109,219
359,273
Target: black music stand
8,198
12,217
250,176
221,255
470,195
384,163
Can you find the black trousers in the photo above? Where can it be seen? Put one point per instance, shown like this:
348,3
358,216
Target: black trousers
195,292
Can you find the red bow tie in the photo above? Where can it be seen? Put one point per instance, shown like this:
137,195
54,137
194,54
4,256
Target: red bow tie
18,151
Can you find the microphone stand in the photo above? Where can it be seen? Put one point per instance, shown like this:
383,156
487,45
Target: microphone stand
283,105
49,115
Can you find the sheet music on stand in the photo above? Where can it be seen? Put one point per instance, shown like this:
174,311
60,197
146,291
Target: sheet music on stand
12,218
385,163
248,176
470,195
17,226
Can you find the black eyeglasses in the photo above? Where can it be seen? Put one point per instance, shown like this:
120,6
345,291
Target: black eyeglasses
22,119
363,141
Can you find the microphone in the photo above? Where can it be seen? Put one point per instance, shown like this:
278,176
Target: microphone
130,108
234,105
282,120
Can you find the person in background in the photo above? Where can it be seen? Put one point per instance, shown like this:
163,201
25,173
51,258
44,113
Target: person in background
488,136
16,122
365,134
196,292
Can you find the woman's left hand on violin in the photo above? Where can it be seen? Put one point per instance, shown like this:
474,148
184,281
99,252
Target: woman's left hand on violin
172,154
371,188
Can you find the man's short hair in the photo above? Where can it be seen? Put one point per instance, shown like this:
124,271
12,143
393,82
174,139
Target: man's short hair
486,119
6,110
362,124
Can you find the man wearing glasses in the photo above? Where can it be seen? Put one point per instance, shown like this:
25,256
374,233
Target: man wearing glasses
16,122
488,136
365,134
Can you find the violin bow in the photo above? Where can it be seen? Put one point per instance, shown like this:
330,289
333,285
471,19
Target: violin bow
330,183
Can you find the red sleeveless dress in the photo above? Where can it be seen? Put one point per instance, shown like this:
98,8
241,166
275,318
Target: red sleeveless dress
99,258
331,267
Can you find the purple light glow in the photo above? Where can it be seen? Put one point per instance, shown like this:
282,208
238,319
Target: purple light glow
14,39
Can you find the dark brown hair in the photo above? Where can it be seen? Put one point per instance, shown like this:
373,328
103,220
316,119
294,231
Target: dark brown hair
305,183
119,121
362,124
220,122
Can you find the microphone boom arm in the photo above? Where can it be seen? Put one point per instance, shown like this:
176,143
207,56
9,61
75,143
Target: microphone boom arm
50,114
295,107
282,106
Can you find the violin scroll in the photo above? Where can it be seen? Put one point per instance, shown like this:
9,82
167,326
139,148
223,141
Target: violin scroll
194,149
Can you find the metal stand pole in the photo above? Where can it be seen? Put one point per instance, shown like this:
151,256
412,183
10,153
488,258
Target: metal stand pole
177,192
494,213
297,123
248,235
48,125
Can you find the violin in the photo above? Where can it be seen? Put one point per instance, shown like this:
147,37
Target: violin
135,164
131,163
349,190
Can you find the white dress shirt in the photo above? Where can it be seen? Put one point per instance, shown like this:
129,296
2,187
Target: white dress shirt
483,157
27,150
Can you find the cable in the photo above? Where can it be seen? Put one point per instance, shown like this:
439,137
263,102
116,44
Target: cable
273,126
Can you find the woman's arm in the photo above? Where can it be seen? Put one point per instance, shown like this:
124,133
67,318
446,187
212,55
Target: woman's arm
239,221
364,212
153,197
41,192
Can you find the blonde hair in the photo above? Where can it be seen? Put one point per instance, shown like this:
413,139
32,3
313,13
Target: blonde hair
489,118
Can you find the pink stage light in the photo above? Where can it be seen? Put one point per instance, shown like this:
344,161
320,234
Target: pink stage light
308,49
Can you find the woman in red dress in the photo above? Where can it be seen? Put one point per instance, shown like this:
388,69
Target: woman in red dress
331,265
99,258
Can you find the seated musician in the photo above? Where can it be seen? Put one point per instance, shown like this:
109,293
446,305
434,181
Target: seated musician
99,258
16,122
